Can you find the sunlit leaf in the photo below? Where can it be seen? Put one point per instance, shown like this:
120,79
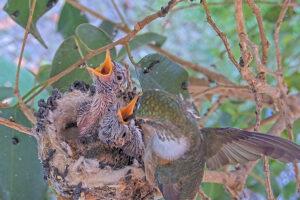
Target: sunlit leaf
157,71
70,17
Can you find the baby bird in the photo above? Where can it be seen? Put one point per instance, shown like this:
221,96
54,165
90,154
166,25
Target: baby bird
108,79
118,131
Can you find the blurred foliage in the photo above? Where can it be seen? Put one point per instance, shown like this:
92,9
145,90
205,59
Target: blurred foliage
189,37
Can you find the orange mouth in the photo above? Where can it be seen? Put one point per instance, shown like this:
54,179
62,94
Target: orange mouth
127,111
105,69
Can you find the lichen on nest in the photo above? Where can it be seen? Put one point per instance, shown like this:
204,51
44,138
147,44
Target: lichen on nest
83,167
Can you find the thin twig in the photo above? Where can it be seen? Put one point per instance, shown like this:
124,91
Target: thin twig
15,126
229,3
285,110
264,122
264,42
212,76
221,35
211,110
120,14
130,55
267,180
138,26
27,111
129,82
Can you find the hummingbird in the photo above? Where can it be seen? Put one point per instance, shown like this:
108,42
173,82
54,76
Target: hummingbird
176,150
108,80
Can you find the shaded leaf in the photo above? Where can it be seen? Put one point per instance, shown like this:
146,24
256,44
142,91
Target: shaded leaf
6,92
21,175
289,190
157,71
44,73
141,40
108,27
68,54
70,17
215,191
293,80
19,12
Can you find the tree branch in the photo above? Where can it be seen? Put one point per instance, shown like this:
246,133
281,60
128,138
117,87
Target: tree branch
15,126
27,111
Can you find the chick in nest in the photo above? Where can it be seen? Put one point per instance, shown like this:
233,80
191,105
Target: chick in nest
118,130
109,78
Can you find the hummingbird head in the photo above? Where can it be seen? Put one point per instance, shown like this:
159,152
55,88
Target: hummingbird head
109,76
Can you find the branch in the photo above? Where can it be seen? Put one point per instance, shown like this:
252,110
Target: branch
212,76
27,111
264,42
15,126
138,26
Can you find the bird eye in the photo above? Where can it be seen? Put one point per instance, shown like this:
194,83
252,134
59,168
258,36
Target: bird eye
119,78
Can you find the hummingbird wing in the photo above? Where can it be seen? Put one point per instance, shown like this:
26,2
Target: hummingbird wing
233,146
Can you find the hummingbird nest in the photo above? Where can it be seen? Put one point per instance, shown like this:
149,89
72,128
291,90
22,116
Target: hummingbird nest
79,167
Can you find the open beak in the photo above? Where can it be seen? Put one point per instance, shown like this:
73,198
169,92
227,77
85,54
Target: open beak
105,69
127,111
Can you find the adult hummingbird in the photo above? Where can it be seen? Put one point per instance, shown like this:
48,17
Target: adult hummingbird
177,150
108,79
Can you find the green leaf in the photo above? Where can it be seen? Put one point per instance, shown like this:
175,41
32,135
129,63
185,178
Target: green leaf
19,12
6,92
293,80
68,54
157,71
273,12
44,73
276,167
70,17
108,27
141,40
215,191
21,175
289,190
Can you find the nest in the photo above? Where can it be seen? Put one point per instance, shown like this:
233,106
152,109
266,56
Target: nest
84,168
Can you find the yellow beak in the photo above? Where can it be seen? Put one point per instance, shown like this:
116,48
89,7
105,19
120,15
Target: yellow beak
127,111
105,69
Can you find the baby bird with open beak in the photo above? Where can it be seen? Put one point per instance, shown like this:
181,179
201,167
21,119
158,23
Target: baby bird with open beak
119,130
109,78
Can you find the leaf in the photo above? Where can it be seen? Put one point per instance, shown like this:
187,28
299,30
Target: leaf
293,80
68,54
108,27
6,92
215,191
70,17
21,175
44,73
19,12
289,190
273,12
157,71
141,40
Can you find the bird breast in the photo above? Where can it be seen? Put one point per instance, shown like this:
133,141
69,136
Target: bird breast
169,149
